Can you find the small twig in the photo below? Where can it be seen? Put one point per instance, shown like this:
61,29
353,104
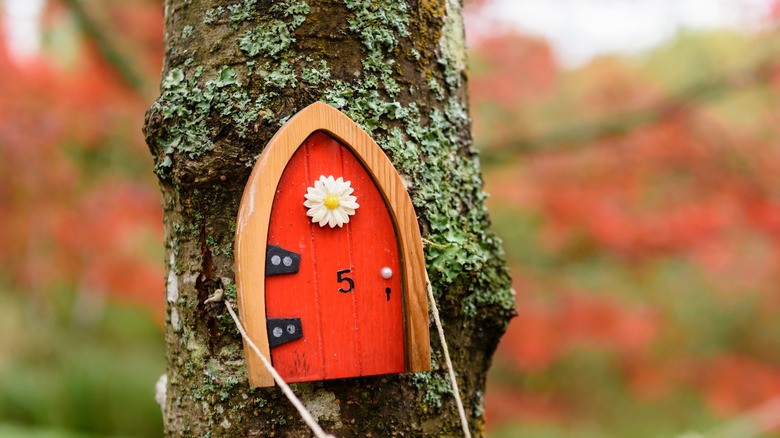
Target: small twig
215,297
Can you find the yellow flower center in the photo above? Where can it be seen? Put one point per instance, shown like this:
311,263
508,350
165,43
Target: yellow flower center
331,201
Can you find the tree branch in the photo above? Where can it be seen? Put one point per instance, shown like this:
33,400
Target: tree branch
113,56
619,124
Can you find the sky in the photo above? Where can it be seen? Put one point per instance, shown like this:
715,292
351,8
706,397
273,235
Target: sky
22,26
581,29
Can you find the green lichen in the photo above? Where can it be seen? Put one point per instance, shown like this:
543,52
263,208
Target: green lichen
436,387
448,191
316,75
272,38
294,11
452,42
436,89
212,381
218,250
243,11
187,106
267,39
212,15
197,351
174,239
378,23
279,78
230,292
191,107
225,322
479,405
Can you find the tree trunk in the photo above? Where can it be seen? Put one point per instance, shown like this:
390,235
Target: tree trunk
234,73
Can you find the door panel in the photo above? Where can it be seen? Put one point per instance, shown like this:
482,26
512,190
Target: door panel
352,333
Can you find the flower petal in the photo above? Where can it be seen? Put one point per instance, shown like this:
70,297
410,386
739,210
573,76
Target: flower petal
314,194
324,219
317,213
329,183
349,204
332,219
341,215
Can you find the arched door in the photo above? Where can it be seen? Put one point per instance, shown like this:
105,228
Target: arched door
338,287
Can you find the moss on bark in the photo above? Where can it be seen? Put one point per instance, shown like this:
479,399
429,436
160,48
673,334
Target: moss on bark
234,72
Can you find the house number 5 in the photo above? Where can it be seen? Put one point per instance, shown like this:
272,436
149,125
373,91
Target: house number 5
342,277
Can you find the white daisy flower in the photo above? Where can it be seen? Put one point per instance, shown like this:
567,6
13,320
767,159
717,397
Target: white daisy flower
330,201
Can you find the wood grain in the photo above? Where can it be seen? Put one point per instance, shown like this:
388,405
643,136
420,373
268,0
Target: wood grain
254,221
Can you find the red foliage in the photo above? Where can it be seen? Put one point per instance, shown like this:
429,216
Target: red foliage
657,190
669,179
515,68
509,71
105,240
732,384
688,183
774,12
609,88
543,333
75,220
503,406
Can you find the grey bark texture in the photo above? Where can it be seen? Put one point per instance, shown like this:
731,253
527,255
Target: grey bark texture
234,71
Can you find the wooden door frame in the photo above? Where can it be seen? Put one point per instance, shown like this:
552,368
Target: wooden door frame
254,217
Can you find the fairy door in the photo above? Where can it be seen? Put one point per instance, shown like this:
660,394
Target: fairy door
345,292
329,266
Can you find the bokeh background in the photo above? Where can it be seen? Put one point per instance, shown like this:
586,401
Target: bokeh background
632,153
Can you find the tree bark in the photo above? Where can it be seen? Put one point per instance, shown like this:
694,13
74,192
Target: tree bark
233,73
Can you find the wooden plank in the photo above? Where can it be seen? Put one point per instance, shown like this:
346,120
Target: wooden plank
332,253
289,228
381,331
253,223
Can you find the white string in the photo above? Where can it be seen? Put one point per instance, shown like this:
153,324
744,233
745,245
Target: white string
463,421
305,414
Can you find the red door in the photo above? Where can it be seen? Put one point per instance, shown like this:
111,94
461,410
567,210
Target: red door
350,311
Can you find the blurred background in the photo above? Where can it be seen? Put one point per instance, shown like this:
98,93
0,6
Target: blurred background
632,152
